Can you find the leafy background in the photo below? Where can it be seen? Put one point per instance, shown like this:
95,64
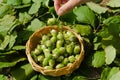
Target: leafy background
98,24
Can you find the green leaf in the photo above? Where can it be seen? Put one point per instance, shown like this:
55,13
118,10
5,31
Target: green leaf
114,29
97,46
97,42
96,7
110,32
84,30
51,9
115,76
105,73
5,9
35,25
4,44
9,40
22,6
113,3
12,40
111,40
14,2
0,41
69,17
11,64
34,77
24,72
24,17
85,15
35,7
104,32
5,27
34,1
7,53
112,20
113,71
98,59
110,54
45,3
15,24
3,77
4,1
18,47
26,1
116,10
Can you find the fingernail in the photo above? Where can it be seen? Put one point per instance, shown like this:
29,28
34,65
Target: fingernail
60,12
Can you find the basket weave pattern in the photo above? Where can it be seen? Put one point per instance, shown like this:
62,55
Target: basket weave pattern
34,40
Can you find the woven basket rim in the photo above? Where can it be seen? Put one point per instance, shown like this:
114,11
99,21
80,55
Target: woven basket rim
55,72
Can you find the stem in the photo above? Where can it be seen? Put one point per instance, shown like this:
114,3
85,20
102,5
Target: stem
53,15
98,28
43,14
58,18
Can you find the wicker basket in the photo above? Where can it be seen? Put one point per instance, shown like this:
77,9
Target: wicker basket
34,40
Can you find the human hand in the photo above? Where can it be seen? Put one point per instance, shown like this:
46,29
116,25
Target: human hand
0,1
63,6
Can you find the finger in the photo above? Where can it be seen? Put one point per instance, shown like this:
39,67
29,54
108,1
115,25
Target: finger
57,4
64,1
69,6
